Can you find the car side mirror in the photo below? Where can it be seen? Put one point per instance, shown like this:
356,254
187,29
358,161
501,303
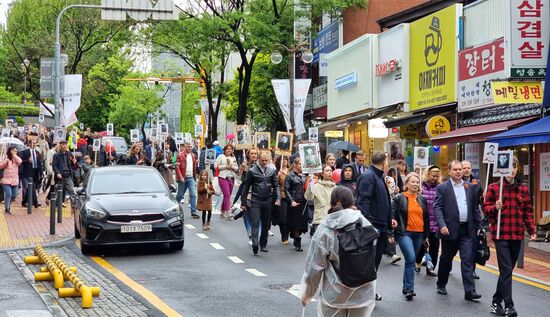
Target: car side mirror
173,188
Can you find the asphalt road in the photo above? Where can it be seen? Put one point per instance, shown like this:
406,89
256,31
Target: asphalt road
202,280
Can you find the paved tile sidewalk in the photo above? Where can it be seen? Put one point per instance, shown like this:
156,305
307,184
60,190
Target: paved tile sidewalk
20,230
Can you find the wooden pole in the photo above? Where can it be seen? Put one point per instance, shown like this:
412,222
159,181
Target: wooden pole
499,211
487,179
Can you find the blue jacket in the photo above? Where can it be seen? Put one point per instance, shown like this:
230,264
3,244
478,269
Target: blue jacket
373,198
57,164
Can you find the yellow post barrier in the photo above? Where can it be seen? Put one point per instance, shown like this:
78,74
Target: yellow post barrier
45,269
73,292
85,291
43,257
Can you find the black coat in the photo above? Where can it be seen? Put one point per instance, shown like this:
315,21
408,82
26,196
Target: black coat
400,212
294,187
373,198
26,167
263,187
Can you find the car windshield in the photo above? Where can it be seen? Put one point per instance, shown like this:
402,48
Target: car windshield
127,182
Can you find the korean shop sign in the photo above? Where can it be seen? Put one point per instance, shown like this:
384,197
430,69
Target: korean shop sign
433,47
437,125
505,92
477,66
528,36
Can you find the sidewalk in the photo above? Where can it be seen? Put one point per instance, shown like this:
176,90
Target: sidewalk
21,230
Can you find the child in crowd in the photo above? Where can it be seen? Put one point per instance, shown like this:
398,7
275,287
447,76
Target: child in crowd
205,190
86,166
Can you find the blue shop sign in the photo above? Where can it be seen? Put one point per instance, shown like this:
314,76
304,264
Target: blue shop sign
326,41
345,81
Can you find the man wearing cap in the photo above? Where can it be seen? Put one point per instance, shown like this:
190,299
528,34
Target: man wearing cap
218,148
63,170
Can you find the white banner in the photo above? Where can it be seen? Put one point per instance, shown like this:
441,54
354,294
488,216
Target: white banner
282,92
71,98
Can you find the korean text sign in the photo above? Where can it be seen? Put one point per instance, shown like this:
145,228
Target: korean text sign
433,43
505,92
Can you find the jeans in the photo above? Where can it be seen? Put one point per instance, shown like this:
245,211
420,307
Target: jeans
188,183
247,219
226,185
507,256
10,192
409,243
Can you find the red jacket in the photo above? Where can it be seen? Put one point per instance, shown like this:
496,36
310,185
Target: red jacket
181,167
516,212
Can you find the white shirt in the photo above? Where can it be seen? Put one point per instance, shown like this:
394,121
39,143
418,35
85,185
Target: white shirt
461,202
221,161
189,165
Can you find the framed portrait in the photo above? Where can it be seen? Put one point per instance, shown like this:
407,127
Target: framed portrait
110,129
179,138
5,132
164,129
311,158
134,135
199,131
243,138
313,134
81,126
41,118
10,123
489,152
210,157
263,140
503,164
59,134
96,145
188,138
396,152
33,129
421,156
154,134
284,143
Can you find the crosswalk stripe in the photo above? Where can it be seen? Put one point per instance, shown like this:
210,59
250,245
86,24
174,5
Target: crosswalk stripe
188,226
255,272
202,235
217,246
235,259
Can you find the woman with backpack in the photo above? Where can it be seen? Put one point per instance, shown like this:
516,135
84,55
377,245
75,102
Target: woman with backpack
9,164
323,262
411,224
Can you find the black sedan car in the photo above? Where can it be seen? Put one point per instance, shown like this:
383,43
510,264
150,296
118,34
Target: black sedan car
127,205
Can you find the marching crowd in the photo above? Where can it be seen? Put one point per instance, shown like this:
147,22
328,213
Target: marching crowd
431,217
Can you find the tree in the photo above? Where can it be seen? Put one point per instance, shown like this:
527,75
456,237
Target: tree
8,96
132,106
189,100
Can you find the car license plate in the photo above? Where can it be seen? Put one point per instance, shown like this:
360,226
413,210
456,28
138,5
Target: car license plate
136,228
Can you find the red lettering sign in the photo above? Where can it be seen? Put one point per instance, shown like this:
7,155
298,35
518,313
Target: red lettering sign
481,60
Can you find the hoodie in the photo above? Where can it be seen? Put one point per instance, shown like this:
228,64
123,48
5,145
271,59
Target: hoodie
349,183
322,259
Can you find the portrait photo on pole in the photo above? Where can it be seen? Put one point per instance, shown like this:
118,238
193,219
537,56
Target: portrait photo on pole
96,145
164,129
59,134
110,129
33,129
188,137
5,132
421,156
395,150
210,157
311,157
199,131
41,118
10,123
489,152
134,135
179,138
284,143
153,133
262,139
242,133
313,134
504,163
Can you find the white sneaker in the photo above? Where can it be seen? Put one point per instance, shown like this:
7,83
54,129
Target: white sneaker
249,241
270,233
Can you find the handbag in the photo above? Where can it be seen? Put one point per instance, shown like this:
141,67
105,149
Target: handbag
483,253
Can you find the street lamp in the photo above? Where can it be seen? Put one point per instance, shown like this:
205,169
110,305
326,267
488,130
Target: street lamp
307,57
25,67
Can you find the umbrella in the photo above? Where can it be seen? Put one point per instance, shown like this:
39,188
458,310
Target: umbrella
230,136
10,141
344,145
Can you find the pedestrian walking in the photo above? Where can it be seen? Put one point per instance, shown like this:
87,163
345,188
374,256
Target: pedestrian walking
516,212
164,167
392,181
468,177
323,263
431,179
205,190
62,165
330,160
283,168
410,223
251,160
457,212
185,177
320,193
86,167
262,184
136,156
359,165
9,164
31,169
373,199
227,167
297,217
348,178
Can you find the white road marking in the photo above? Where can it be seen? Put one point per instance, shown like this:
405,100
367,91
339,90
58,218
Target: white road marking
188,226
255,272
235,259
295,290
21,313
217,246
202,235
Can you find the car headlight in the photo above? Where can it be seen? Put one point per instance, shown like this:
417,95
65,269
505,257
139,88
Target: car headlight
172,211
94,213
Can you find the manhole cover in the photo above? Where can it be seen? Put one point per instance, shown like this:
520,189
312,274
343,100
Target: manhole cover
283,286
6,296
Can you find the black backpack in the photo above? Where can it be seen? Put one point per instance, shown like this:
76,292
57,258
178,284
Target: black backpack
357,250
483,253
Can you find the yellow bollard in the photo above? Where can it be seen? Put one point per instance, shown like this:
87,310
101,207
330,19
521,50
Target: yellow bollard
54,271
33,259
85,291
46,276
45,269
73,292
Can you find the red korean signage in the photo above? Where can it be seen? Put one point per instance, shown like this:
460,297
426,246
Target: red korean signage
387,67
481,60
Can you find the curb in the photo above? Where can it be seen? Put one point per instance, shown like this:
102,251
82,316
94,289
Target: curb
525,277
62,240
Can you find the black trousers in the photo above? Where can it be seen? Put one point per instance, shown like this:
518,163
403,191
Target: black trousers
260,212
507,256
433,250
381,243
449,249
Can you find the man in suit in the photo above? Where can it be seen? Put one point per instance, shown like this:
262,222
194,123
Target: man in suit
30,168
359,165
457,212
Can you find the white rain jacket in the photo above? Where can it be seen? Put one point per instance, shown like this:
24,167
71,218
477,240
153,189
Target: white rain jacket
321,260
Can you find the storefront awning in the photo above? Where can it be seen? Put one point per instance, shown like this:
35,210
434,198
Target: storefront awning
421,115
533,133
478,133
370,114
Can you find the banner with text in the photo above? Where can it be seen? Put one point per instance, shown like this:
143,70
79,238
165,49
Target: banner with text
282,92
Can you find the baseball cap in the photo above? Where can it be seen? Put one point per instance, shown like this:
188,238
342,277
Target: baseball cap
216,143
